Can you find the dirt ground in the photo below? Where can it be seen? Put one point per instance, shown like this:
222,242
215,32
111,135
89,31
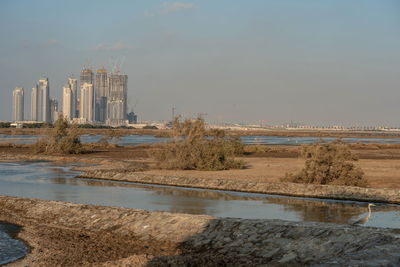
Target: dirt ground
380,163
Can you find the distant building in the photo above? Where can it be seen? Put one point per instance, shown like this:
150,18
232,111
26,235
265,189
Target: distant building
117,99
87,103
34,104
85,77
18,104
73,85
132,118
54,110
68,98
101,92
41,101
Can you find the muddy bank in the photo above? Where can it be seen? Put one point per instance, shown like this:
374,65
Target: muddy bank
76,235
383,195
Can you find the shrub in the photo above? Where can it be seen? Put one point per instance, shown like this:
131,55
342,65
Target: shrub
62,138
150,127
191,150
329,163
5,124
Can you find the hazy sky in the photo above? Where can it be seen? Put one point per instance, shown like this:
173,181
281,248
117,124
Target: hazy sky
310,61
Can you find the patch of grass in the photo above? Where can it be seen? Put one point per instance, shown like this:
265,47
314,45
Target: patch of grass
189,148
329,163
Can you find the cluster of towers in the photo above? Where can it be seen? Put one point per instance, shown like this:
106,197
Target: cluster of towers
101,98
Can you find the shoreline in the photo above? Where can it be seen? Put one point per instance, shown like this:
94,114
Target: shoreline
68,234
382,195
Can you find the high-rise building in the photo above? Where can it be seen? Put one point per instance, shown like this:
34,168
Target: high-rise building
85,77
41,100
34,96
87,103
73,85
117,99
18,104
53,110
101,88
68,111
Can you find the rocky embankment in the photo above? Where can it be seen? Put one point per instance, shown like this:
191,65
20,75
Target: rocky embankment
76,235
383,195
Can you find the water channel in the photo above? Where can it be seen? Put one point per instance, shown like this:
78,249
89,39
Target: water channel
141,139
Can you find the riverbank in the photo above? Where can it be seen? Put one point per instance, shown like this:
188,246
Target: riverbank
67,234
384,195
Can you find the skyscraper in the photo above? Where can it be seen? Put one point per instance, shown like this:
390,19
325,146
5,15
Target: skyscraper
87,103
68,112
40,101
117,99
86,77
101,89
18,104
73,85
34,104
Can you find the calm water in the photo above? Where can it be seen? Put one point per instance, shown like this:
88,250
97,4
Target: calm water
46,181
140,139
10,249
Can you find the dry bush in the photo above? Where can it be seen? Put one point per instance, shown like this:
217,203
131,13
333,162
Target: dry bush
329,163
190,149
64,138
108,137
250,149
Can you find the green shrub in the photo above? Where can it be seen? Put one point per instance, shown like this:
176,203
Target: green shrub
5,124
63,138
191,150
329,163
150,127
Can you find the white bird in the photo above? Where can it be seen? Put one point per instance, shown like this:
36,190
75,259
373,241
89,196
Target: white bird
366,218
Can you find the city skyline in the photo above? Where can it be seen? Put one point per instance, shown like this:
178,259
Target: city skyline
100,100
315,62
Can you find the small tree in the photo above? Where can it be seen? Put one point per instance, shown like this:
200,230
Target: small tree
62,138
329,163
190,149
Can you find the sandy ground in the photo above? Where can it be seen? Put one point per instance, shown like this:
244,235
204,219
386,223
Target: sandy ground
379,173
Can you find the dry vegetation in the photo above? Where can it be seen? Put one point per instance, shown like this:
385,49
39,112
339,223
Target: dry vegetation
191,150
63,138
329,163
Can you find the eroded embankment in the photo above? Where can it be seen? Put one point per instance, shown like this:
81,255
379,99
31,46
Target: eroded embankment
75,235
384,195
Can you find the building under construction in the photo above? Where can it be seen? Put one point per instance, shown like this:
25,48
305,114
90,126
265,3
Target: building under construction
101,89
117,99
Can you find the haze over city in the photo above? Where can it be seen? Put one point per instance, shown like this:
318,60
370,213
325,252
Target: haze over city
315,62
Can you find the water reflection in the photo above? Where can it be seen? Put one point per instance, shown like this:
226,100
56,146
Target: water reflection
47,181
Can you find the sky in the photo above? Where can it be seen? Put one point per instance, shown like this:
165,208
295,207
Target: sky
319,62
